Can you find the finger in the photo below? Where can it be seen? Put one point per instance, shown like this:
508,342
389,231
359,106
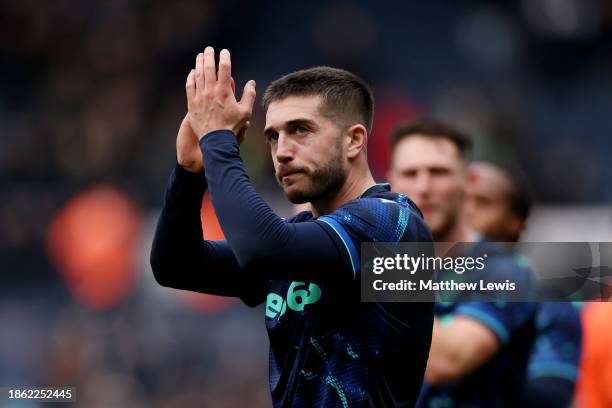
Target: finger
225,69
248,96
199,72
210,76
190,87
233,85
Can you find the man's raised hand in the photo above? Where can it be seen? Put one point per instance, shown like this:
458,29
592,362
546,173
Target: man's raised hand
188,154
210,98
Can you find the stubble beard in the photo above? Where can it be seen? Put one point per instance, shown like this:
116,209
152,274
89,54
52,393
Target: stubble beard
450,220
322,183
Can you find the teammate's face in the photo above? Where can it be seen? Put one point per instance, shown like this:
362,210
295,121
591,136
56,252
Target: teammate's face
432,173
306,149
486,206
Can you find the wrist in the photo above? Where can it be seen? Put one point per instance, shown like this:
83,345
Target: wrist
216,137
188,181
208,131
195,168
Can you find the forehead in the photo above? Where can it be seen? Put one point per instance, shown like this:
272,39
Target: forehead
292,108
418,151
487,180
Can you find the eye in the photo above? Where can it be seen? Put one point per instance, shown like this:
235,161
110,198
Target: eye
271,137
439,171
301,130
409,173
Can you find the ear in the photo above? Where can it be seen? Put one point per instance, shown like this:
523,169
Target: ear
357,140
516,225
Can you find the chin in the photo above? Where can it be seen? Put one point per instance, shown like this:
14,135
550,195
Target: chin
296,196
299,193
436,226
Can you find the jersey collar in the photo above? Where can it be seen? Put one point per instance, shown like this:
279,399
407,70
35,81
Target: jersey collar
375,189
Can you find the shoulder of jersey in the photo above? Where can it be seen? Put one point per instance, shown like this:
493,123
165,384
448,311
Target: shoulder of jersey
389,198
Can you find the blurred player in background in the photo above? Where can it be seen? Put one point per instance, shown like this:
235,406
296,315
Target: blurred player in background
327,349
479,350
498,201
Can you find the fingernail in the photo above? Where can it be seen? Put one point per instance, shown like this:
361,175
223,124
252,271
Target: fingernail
225,51
209,48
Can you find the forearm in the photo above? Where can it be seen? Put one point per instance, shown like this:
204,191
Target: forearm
260,239
243,215
457,349
441,365
180,258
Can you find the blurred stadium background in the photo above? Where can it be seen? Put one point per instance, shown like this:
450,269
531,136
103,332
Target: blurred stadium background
91,96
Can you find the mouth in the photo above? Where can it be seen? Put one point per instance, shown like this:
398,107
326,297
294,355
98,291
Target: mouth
289,175
426,209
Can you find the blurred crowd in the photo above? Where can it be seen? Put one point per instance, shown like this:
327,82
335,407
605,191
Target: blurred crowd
91,96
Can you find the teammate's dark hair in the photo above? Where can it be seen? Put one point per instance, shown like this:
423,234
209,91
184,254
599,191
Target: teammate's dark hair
520,196
435,129
343,93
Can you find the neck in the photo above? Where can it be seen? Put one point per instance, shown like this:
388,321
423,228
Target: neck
460,232
357,182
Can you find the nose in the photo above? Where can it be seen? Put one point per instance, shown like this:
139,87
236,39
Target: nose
423,182
285,149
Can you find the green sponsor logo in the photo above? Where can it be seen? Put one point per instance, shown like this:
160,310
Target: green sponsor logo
298,296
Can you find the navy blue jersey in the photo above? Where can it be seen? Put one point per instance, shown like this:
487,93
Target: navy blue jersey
556,351
328,349
553,364
499,381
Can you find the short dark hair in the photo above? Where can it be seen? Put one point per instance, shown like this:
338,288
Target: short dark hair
520,196
432,128
342,92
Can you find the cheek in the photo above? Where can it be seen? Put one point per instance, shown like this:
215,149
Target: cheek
488,219
274,161
323,154
449,191
499,216
405,186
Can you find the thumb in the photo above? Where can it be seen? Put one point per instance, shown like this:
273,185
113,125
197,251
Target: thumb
242,133
248,95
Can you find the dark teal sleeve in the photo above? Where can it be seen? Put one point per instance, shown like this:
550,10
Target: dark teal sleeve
180,257
264,244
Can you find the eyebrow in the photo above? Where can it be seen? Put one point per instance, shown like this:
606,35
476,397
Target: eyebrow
293,122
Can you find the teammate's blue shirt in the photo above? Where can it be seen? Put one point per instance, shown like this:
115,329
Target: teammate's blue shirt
556,351
552,369
498,382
